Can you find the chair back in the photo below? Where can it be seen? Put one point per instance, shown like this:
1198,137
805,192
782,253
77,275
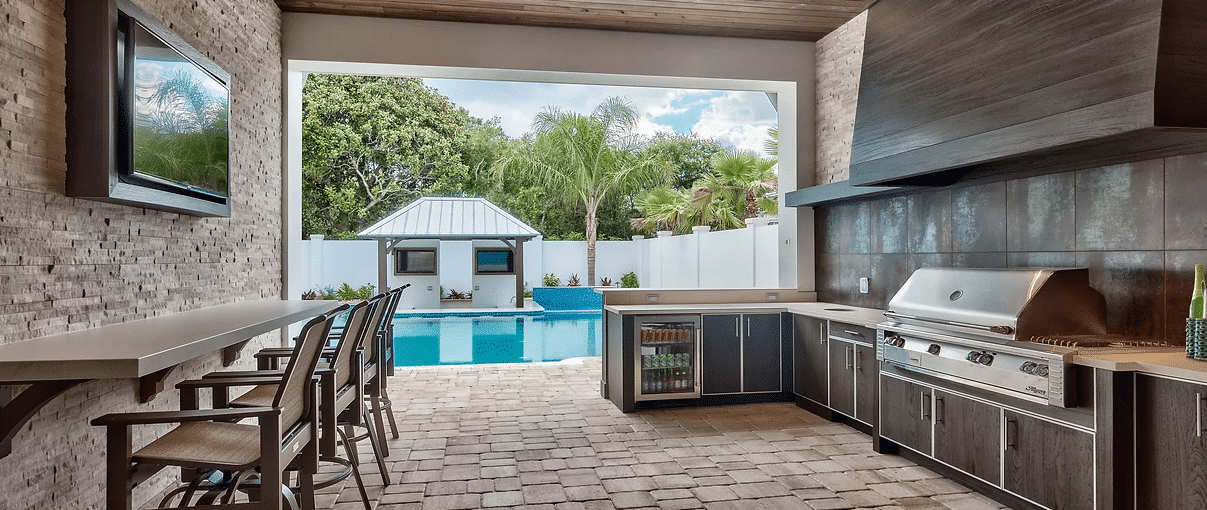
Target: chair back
386,318
374,325
352,338
292,394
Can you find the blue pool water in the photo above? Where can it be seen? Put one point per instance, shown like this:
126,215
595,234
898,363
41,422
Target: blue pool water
552,336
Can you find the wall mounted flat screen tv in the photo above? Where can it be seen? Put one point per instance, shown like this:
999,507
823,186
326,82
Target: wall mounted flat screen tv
148,115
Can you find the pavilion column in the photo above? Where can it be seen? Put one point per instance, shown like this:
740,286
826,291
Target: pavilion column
383,263
519,272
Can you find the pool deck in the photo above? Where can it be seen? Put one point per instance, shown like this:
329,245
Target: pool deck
539,436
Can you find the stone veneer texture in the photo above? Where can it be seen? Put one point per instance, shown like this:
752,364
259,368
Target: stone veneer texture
69,264
839,57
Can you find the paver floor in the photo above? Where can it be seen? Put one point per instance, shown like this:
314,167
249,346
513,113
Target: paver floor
539,436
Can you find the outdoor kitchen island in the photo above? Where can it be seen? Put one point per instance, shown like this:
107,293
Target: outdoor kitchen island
1128,435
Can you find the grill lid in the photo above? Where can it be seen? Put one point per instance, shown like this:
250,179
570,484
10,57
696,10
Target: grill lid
1003,304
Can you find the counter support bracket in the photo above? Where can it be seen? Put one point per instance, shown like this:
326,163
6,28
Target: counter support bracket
231,354
151,384
16,411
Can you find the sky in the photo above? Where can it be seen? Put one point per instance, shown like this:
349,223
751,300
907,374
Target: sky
735,118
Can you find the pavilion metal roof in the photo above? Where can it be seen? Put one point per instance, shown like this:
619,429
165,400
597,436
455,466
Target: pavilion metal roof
450,218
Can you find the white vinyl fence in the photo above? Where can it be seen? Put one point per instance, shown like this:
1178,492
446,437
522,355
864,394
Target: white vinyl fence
740,258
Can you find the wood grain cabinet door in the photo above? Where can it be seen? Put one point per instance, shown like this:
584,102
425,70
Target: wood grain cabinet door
905,413
842,377
1049,463
809,365
968,436
1171,460
865,383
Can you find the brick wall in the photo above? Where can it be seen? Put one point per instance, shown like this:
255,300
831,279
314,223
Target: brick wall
839,57
68,264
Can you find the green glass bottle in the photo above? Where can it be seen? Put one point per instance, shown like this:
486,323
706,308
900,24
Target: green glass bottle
1196,300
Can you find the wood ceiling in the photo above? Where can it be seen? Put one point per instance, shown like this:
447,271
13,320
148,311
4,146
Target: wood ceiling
795,20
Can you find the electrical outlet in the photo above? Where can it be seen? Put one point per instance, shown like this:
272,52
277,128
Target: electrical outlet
773,297
863,285
429,287
651,298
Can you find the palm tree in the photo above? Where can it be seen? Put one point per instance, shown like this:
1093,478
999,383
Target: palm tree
663,208
749,175
585,159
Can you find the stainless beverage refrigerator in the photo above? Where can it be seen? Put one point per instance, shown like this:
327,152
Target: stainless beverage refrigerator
667,357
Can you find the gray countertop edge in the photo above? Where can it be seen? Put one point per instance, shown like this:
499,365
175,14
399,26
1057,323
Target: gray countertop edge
44,359
1170,362
867,317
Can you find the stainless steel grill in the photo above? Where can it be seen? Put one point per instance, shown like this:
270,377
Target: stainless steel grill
974,326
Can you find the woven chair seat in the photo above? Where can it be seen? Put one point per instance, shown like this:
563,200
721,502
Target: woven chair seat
259,396
206,445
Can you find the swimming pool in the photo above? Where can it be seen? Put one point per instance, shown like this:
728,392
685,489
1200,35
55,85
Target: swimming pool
551,336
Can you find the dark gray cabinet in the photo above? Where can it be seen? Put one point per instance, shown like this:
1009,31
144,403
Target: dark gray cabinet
865,383
1049,463
968,435
905,410
1171,457
809,359
761,351
741,353
842,376
721,355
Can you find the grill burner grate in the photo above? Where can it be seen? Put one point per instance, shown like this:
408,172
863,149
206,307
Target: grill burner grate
1096,341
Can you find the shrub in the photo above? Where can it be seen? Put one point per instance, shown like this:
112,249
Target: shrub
573,281
629,280
605,282
347,293
551,281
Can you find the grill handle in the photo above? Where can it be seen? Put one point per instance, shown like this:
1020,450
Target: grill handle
1004,330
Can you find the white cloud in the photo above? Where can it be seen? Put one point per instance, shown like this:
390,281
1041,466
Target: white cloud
738,119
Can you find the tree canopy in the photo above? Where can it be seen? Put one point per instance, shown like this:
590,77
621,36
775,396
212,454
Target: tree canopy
371,144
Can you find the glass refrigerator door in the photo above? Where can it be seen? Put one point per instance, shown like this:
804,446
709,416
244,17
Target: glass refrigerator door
666,359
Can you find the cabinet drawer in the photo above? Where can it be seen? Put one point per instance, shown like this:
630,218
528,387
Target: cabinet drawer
852,332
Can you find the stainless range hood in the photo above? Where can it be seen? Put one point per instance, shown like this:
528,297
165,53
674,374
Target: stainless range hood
1001,304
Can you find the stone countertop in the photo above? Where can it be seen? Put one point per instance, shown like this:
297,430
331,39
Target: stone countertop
867,317
1166,361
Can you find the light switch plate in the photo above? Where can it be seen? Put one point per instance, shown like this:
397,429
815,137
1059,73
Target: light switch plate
863,285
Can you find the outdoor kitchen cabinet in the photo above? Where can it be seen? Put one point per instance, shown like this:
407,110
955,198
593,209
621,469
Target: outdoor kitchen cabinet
810,377
1171,458
1049,463
852,367
968,435
905,413
741,353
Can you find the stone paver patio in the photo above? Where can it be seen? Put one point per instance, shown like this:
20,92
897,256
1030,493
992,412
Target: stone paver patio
539,436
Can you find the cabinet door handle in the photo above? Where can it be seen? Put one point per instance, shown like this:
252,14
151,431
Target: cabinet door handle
849,332
924,405
940,409
1198,415
1009,438
858,356
737,326
821,333
748,328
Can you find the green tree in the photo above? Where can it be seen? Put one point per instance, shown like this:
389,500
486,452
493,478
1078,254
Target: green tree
662,208
690,155
370,145
750,177
585,159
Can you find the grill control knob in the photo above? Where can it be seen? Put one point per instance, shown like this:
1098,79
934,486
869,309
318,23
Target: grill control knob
894,341
974,357
933,349
1041,370
1028,367
986,359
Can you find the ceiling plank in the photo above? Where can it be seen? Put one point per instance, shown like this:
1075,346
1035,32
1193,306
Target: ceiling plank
798,20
